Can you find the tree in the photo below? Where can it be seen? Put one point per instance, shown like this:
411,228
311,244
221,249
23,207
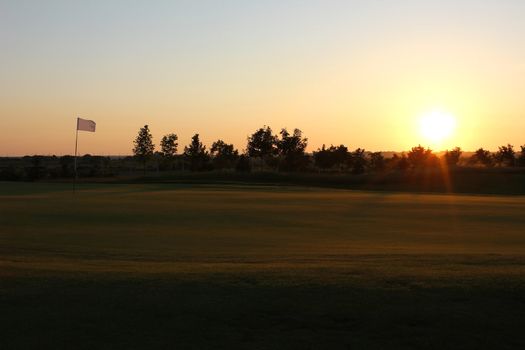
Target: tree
291,149
144,146
196,154
483,157
224,155
168,146
452,157
168,150
400,163
419,157
358,161
323,158
376,162
521,157
341,157
505,156
328,158
261,144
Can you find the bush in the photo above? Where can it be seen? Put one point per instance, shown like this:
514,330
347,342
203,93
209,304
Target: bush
243,164
11,173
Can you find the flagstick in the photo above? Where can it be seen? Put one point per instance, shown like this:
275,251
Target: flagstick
85,125
76,147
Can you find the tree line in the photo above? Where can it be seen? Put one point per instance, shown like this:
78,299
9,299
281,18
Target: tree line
286,151
264,151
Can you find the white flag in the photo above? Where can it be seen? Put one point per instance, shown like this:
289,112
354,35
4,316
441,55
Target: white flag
86,125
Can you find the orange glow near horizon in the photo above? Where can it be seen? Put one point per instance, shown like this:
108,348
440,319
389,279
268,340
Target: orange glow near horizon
354,73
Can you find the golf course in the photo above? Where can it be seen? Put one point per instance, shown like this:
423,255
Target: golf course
174,266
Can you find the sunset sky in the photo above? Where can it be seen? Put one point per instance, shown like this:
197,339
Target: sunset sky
361,72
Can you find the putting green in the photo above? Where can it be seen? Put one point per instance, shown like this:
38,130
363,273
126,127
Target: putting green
134,266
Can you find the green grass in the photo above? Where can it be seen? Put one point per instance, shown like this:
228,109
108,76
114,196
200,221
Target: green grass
493,181
193,266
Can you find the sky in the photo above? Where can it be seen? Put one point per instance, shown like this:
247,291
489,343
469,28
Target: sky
360,73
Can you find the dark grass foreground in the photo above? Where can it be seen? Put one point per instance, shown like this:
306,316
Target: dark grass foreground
159,266
254,310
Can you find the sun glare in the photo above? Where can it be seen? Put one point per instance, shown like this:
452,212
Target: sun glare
437,126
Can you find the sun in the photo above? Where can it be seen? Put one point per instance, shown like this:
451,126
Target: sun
437,126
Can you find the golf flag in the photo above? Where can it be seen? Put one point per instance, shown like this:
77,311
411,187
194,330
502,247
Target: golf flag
86,125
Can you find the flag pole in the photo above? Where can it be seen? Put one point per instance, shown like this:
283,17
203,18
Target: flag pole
76,147
84,125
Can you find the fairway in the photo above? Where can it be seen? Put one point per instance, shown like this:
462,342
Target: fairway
262,267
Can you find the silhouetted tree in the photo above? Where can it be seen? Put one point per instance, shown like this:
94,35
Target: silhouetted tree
323,158
420,157
144,146
400,162
168,146
291,149
168,151
224,155
483,157
376,162
341,157
452,157
358,161
261,144
505,156
333,157
521,157
196,154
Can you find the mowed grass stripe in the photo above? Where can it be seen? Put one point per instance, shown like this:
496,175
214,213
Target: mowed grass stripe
202,221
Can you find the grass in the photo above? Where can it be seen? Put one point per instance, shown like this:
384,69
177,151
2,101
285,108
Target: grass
464,180
194,266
